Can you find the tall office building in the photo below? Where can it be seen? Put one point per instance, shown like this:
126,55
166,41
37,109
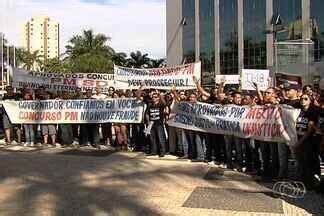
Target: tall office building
230,35
43,34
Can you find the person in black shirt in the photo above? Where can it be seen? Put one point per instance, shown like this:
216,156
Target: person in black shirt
10,96
155,116
306,124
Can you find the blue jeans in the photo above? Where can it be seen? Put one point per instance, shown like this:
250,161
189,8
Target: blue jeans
196,145
283,153
236,142
270,160
158,139
29,133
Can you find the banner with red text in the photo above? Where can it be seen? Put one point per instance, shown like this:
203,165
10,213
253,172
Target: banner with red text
61,81
121,110
266,123
157,78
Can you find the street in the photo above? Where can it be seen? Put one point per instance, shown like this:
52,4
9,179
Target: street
85,181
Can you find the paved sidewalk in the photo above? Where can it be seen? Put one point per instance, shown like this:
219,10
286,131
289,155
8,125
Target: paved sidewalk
101,182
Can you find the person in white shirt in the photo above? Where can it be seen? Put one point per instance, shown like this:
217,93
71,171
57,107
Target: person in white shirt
106,127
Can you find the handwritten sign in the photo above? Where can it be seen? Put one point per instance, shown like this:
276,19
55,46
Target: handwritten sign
250,76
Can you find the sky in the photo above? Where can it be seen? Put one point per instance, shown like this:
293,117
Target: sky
131,24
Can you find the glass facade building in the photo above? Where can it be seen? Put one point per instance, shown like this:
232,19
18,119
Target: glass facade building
188,42
207,40
230,35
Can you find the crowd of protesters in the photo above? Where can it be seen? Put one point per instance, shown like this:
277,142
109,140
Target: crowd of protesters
269,160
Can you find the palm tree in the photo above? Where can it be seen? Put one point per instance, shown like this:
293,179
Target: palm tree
120,59
138,60
57,66
157,63
30,60
89,53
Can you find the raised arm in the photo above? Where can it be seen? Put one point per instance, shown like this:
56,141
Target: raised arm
175,94
259,93
139,92
200,88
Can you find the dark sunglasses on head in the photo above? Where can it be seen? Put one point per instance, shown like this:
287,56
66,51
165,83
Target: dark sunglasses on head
305,99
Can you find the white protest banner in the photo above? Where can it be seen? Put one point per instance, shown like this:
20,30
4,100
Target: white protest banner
227,79
61,81
121,110
250,76
157,78
274,124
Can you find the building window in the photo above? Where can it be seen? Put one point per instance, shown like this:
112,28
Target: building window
317,28
255,48
290,12
188,30
228,37
207,41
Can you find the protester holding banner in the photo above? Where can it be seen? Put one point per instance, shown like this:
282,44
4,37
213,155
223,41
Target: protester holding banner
8,127
120,128
65,130
269,150
176,135
48,130
28,128
204,125
78,94
217,150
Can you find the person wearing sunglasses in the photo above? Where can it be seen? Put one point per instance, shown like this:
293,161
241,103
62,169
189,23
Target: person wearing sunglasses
155,117
304,149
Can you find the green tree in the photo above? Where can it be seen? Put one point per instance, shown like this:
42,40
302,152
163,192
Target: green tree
157,63
89,53
138,60
120,59
57,66
30,60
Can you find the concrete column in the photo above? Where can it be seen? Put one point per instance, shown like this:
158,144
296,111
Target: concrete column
270,37
306,19
174,29
217,42
307,36
197,31
240,30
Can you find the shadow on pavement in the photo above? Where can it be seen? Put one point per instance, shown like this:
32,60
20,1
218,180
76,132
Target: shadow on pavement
45,184
89,153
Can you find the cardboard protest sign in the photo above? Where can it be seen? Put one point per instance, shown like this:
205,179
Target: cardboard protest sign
61,81
227,79
274,124
250,76
121,110
158,78
288,80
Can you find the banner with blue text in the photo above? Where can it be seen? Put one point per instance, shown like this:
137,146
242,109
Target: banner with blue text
121,110
266,123
158,78
61,81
